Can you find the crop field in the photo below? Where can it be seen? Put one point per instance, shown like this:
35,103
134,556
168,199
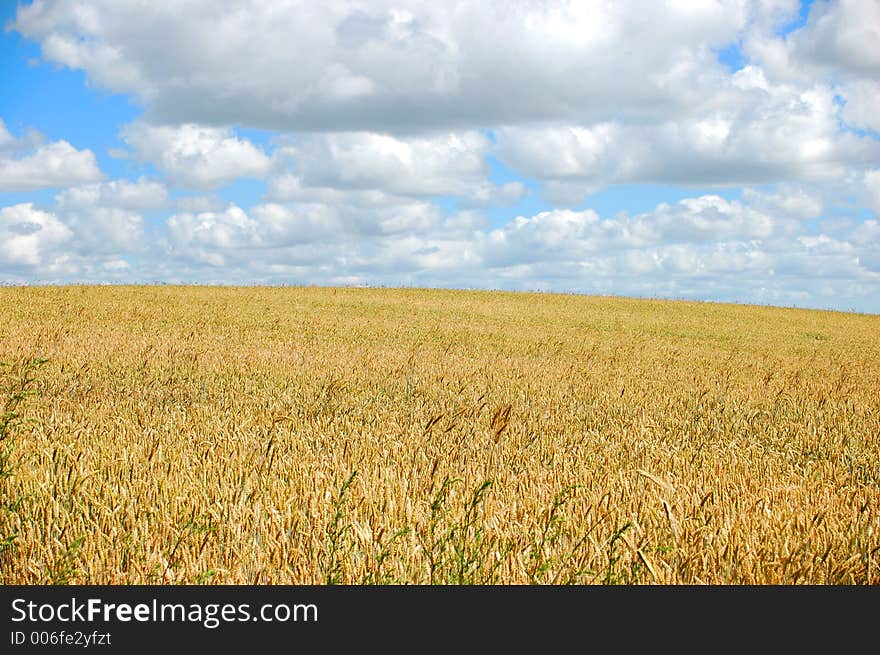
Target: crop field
366,436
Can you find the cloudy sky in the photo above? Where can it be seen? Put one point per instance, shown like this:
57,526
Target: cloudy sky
722,150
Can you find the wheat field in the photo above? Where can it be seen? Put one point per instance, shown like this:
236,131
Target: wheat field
365,436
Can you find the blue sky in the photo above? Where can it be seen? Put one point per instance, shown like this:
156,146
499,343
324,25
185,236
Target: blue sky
732,156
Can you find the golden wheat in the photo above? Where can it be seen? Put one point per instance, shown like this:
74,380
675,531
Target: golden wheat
314,435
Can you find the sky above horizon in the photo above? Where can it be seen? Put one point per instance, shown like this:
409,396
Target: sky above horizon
721,150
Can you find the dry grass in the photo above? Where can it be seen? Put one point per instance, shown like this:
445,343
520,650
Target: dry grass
304,435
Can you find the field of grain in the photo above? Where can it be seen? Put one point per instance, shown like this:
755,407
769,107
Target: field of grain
362,436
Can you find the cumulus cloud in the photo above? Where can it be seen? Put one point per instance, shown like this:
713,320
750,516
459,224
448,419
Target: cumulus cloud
872,186
841,36
316,241
371,170
564,235
693,225
396,66
272,226
106,218
489,195
699,247
448,164
766,134
702,247
91,227
623,101
27,164
105,231
119,194
196,156
199,203
29,237
289,187
862,107
785,202
868,236
208,232
839,46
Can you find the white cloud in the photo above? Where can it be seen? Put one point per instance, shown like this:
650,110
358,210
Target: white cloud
563,235
489,195
397,65
214,236
90,226
289,187
862,109
839,47
868,236
198,203
105,231
365,169
766,134
843,35
702,247
682,247
785,202
591,94
196,156
840,40
202,235
438,165
56,164
120,194
29,237
872,186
